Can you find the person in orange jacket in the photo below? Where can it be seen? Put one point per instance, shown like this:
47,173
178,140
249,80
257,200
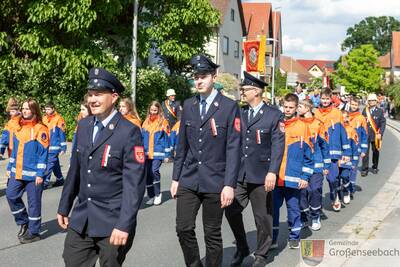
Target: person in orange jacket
128,109
339,147
58,144
6,141
26,171
155,131
295,171
311,197
345,167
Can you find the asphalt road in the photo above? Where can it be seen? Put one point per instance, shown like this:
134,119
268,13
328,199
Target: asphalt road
156,243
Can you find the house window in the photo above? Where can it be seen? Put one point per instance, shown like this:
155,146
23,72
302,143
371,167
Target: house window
225,45
236,51
232,14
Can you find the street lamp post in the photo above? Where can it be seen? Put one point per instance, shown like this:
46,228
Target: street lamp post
134,49
275,39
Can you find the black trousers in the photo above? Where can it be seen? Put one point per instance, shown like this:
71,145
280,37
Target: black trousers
375,157
83,251
188,205
262,205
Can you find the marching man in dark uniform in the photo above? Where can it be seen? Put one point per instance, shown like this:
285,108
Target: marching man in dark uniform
263,144
206,165
172,108
376,126
107,176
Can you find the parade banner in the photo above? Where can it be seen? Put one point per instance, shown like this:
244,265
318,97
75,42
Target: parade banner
261,54
251,52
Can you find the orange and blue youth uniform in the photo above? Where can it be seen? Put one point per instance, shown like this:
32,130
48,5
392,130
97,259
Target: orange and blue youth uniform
311,197
174,136
28,161
334,132
56,126
156,139
157,148
342,185
7,135
134,120
359,123
297,164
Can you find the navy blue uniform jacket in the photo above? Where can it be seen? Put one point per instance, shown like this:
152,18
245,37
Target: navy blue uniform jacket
107,178
208,160
379,117
263,144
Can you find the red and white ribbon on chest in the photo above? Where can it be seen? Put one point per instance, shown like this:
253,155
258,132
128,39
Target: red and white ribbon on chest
106,155
213,127
258,137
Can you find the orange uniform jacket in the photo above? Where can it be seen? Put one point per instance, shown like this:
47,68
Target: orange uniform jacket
297,163
29,156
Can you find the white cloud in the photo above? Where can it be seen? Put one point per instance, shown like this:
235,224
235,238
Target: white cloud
316,28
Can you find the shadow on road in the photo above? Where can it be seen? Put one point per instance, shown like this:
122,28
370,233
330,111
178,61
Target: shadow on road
166,196
50,228
2,192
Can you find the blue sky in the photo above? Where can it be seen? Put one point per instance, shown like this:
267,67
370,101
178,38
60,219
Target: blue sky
314,29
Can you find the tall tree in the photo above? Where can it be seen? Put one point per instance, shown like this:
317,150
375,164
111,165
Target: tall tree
359,70
372,30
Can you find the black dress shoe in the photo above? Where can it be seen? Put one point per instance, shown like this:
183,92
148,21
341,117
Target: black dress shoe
374,171
260,262
364,173
239,257
22,230
29,238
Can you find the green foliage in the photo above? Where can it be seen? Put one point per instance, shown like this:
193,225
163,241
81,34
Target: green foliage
316,82
47,46
359,70
230,84
394,92
178,29
372,30
280,84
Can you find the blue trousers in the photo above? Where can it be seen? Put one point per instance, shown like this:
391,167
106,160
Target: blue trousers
292,198
53,165
340,185
153,177
32,217
311,198
353,178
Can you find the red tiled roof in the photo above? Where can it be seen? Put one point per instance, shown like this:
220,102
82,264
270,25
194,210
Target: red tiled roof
222,7
257,18
322,64
288,64
396,48
384,61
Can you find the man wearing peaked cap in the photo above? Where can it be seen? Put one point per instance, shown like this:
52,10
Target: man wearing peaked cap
101,79
263,144
206,164
106,175
250,80
202,64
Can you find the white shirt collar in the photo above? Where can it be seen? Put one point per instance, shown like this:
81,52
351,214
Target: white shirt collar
108,119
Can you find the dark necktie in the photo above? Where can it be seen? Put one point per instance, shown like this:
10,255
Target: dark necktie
100,127
203,108
251,116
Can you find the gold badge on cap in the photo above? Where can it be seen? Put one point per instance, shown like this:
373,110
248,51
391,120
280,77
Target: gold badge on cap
95,80
96,71
198,57
111,126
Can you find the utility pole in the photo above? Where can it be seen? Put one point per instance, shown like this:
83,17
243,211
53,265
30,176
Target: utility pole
134,50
